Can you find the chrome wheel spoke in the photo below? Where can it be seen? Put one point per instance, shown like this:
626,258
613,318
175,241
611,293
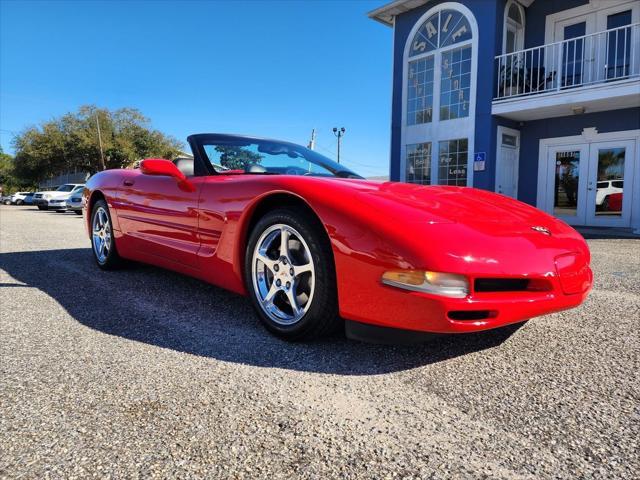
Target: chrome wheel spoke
284,243
266,261
293,302
300,269
268,299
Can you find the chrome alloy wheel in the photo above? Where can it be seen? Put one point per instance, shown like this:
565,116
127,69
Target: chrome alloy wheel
101,235
283,274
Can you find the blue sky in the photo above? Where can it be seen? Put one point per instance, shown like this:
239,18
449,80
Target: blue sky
268,68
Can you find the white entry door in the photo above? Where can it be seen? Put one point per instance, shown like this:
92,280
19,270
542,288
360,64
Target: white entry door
507,162
611,166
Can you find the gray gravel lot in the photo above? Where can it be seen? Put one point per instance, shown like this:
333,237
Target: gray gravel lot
145,373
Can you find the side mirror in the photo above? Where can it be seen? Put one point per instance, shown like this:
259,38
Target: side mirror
161,167
165,168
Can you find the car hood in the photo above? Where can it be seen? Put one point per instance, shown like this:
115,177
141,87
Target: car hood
444,204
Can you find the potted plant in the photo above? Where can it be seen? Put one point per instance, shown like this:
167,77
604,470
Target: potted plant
512,79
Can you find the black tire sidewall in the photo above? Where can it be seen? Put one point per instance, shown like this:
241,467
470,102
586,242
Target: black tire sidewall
322,314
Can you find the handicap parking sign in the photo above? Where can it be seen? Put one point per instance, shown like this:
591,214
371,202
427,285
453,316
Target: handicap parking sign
479,159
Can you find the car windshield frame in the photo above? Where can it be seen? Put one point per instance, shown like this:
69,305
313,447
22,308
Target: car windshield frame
61,188
273,148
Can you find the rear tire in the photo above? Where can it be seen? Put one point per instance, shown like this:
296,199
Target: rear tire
40,207
302,273
78,212
20,202
103,243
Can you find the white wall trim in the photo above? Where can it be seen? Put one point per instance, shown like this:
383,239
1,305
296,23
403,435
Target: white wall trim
393,60
448,129
504,24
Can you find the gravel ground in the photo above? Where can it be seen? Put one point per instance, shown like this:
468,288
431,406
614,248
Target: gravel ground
143,373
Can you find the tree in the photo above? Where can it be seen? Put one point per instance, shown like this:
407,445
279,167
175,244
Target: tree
237,158
71,143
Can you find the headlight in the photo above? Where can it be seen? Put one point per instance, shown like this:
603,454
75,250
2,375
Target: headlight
445,284
46,197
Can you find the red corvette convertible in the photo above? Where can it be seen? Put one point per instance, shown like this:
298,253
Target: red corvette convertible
315,246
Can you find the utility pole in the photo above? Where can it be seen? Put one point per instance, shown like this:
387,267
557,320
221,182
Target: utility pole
312,142
339,133
104,167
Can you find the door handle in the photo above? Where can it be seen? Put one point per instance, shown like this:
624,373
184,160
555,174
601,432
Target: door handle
128,183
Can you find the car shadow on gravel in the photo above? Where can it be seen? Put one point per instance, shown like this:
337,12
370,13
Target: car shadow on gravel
168,310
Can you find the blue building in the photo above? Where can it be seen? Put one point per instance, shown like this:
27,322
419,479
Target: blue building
535,99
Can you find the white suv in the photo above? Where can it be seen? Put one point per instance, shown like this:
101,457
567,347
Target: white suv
56,199
18,198
604,188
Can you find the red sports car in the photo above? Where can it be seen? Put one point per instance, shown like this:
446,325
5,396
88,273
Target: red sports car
315,246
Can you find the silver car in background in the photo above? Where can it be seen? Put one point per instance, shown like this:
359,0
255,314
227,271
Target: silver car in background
74,202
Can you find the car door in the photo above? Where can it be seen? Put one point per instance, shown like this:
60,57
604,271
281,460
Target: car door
160,217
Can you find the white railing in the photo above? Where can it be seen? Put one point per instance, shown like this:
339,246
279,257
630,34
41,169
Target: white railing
591,59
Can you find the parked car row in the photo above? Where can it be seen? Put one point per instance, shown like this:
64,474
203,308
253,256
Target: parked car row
67,197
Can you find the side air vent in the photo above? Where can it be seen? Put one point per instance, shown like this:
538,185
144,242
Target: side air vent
471,314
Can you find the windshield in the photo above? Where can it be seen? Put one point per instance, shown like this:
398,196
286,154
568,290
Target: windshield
65,188
271,157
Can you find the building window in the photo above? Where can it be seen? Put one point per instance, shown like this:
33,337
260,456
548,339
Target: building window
440,68
455,83
419,163
452,165
513,38
420,91
443,29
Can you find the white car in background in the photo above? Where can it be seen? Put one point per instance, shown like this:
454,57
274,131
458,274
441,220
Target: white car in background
604,188
18,198
56,199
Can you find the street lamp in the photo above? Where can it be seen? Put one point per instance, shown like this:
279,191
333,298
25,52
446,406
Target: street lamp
339,133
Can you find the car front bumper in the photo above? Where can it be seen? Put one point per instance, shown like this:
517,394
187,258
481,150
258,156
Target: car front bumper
57,205
391,307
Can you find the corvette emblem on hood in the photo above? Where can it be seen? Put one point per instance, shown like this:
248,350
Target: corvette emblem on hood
544,230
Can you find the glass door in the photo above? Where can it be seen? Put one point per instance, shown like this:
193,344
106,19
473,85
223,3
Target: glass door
568,179
610,175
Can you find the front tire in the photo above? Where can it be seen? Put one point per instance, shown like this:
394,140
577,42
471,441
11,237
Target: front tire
20,202
290,275
40,207
103,244
78,212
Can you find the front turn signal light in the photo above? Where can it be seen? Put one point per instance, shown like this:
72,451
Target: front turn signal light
446,284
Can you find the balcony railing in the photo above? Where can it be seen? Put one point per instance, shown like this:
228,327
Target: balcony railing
591,59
